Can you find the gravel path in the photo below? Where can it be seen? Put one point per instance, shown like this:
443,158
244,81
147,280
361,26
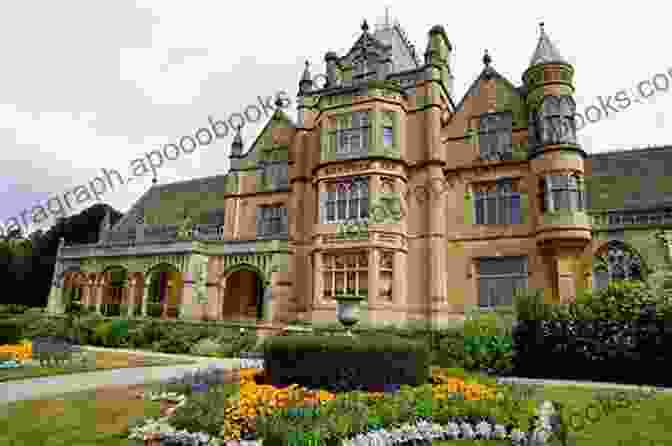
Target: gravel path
34,388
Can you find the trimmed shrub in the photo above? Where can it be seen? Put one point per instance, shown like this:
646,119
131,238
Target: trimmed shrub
10,332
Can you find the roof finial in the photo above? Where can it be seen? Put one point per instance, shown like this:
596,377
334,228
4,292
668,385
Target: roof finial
365,26
541,27
487,59
387,16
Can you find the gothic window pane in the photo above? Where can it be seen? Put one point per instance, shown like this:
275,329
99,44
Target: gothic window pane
365,138
515,209
364,208
342,208
491,209
504,215
388,137
355,141
343,142
480,209
354,207
331,211
574,200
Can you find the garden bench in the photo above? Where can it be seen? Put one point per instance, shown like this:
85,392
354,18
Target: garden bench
48,349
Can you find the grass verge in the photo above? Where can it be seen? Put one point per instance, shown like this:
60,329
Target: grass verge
100,361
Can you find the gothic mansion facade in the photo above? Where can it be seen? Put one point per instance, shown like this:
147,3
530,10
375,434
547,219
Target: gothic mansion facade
460,203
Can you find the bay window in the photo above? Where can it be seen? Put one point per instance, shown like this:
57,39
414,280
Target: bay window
345,274
347,200
564,192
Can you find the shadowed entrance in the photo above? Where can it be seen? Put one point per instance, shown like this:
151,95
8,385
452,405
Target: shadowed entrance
243,293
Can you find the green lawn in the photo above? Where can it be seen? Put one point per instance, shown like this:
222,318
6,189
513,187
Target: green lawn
99,361
76,419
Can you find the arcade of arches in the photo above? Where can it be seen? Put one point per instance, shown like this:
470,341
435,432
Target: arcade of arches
159,293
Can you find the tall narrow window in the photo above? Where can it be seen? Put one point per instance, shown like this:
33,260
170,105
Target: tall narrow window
388,136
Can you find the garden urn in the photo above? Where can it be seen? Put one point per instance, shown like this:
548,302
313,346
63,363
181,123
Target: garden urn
347,310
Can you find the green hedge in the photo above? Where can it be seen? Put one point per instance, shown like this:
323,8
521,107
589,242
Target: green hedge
10,332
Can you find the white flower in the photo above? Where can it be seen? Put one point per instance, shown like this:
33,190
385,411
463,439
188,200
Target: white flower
484,429
467,431
517,436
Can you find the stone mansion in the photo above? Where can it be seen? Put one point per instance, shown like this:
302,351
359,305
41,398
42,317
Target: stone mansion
457,203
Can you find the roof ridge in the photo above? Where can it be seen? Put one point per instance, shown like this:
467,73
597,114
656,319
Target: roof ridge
631,150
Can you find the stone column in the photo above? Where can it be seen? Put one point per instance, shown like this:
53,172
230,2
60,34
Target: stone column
100,291
130,301
86,292
145,293
188,310
373,285
374,192
319,282
399,277
437,248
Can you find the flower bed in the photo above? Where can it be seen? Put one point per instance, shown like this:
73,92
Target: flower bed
448,407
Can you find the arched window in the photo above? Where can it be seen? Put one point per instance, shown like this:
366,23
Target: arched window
617,261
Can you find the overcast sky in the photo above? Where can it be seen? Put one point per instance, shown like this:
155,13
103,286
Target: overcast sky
91,84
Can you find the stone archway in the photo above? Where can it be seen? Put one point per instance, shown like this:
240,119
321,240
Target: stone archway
115,290
617,261
164,285
242,290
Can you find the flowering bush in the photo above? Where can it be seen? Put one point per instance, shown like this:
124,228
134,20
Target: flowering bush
20,352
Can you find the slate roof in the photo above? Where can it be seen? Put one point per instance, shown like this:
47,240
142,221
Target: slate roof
630,179
201,198
403,54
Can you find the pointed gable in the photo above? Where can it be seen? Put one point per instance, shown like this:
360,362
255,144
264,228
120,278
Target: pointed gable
509,97
279,130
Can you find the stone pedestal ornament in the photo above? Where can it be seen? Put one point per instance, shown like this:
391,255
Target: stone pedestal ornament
347,310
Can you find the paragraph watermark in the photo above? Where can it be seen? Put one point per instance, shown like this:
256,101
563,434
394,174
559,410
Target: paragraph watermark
610,105
60,206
